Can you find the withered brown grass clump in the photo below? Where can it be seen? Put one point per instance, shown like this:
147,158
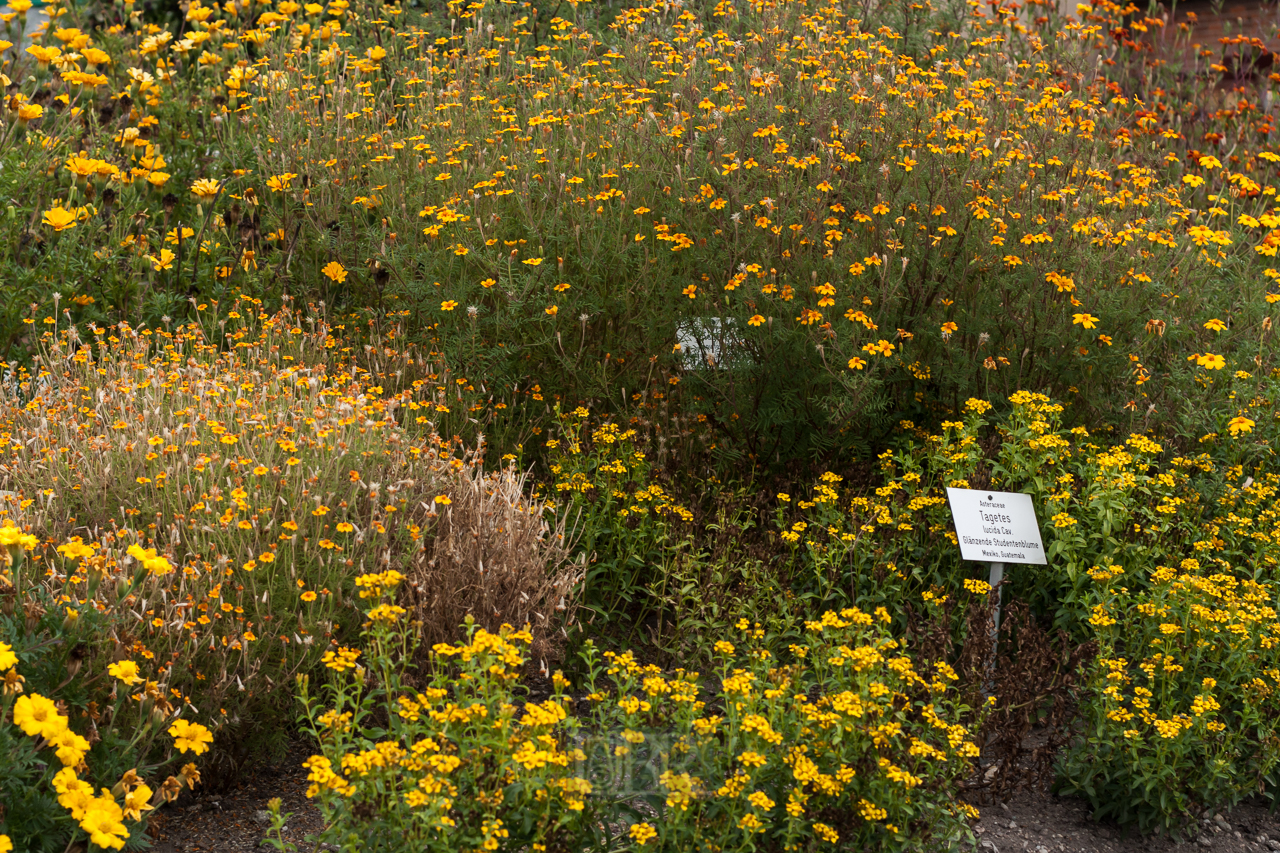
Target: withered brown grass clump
494,556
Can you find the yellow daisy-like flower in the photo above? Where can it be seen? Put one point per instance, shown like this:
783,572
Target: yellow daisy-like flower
1238,426
190,737
59,218
642,833
103,820
335,271
8,659
125,671
205,189
37,715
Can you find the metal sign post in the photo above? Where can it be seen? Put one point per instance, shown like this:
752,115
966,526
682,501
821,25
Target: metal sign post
996,528
997,575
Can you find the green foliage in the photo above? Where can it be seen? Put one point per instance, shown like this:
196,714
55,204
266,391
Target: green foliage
628,524
1181,716
846,743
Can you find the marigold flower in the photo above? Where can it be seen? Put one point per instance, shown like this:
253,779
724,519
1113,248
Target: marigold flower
164,261
37,716
59,218
103,821
642,833
1210,361
341,660
205,189
126,671
335,271
1239,425
137,801
190,737
70,747
8,659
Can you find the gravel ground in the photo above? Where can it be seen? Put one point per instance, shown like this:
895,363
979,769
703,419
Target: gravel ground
1048,824
236,821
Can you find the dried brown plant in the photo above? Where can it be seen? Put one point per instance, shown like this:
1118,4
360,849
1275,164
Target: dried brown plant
494,556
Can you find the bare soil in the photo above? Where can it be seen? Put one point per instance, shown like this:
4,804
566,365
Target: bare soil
237,820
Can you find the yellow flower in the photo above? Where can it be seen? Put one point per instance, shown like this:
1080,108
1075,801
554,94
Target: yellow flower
190,737
137,801
279,183
103,821
8,659
1210,361
59,218
37,715
126,671
1087,320
164,262
342,659
205,189
6,846
1238,425
74,794
448,305
642,833
335,271
70,747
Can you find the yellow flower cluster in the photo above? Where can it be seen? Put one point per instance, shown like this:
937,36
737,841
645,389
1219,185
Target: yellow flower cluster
101,816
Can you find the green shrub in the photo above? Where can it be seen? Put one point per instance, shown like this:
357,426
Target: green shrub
1181,715
847,742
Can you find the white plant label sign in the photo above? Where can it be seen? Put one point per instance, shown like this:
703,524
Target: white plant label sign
996,527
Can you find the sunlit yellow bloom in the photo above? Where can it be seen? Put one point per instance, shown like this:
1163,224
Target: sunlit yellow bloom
190,737
59,218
